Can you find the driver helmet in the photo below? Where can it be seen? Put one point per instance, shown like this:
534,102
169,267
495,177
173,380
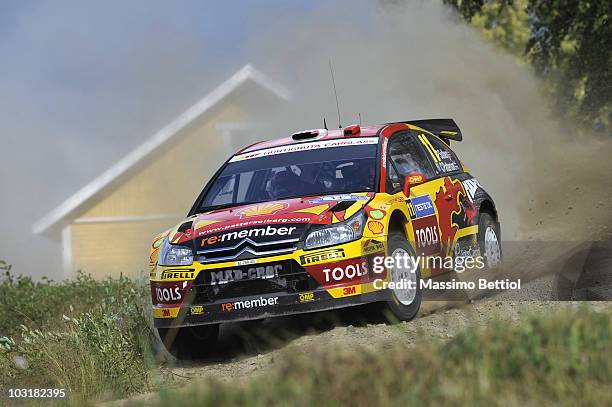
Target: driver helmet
284,183
360,174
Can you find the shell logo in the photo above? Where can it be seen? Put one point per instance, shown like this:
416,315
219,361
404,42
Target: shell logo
376,227
262,209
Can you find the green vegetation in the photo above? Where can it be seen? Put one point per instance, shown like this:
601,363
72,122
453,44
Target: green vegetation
561,359
568,43
86,336
91,338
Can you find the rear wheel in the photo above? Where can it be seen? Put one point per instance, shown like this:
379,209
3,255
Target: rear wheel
406,293
489,240
192,342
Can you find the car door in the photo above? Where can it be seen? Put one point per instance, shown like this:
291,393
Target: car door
454,205
408,158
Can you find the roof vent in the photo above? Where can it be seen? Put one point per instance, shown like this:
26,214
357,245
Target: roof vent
308,134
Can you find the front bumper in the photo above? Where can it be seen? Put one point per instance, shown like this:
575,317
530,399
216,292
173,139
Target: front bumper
306,282
249,308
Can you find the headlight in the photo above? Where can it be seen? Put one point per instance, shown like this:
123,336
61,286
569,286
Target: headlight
175,255
344,232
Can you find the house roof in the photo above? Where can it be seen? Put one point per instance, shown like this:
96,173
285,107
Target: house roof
114,174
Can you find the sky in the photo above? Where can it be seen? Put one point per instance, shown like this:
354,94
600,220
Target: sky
83,83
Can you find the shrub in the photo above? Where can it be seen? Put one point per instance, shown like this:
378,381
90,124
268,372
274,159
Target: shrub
87,336
41,304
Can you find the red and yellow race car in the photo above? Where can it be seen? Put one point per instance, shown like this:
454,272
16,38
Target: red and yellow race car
314,222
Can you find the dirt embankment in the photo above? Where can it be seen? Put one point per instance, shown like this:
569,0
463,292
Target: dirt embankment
254,349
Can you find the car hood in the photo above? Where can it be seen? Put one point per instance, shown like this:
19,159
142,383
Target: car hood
266,221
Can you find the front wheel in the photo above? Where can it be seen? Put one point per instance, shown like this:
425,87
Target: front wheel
406,278
190,343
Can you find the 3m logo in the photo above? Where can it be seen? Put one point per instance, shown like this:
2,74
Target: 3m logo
349,290
165,312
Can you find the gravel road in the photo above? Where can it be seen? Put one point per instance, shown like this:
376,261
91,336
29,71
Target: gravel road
257,355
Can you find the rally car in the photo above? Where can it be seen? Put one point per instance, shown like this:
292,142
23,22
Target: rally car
307,223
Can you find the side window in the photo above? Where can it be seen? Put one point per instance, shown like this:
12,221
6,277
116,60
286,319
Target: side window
444,160
406,157
393,180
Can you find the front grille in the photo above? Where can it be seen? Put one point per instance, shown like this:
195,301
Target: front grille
247,249
291,279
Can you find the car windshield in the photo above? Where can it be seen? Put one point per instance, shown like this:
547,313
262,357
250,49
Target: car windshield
316,168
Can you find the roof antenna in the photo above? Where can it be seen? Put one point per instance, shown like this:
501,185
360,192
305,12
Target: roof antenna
331,70
359,119
324,124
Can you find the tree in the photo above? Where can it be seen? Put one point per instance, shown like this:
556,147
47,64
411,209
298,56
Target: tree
568,42
571,46
505,23
466,8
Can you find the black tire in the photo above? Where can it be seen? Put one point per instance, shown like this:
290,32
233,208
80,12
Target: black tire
492,257
394,310
190,343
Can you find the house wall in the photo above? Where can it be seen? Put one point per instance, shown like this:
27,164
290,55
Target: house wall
104,249
114,235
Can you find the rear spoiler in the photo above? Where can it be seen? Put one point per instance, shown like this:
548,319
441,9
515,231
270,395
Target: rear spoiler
446,129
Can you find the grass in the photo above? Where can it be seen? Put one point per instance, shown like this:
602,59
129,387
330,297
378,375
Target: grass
561,359
89,337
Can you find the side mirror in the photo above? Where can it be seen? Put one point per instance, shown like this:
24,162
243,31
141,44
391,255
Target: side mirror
412,179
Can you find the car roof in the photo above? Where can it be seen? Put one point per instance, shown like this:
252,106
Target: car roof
445,129
366,131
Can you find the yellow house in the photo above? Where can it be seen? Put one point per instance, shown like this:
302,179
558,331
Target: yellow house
106,227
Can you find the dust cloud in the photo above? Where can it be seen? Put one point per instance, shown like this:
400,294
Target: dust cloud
418,60
410,61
